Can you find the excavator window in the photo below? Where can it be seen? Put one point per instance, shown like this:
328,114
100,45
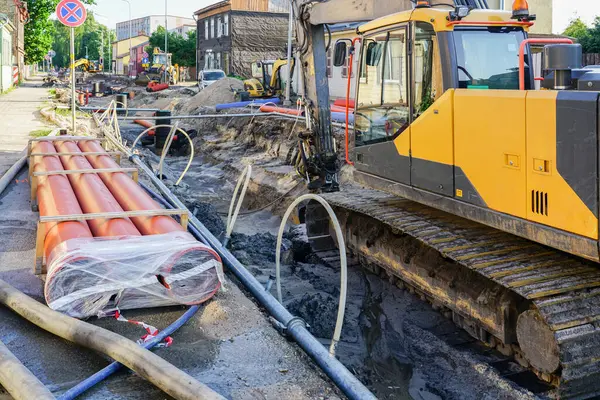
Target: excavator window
383,109
427,85
488,58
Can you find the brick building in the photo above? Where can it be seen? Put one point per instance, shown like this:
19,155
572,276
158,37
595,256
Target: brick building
232,34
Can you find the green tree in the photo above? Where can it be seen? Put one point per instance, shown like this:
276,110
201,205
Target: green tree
95,36
40,29
577,29
182,48
592,42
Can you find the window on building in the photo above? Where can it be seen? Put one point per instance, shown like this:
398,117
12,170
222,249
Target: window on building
6,52
212,27
346,64
219,27
226,25
329,62
206,29
225,66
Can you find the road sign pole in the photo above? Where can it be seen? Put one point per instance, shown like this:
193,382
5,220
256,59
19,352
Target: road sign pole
73,78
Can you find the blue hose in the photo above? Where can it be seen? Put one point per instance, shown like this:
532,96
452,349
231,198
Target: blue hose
224,106
101,375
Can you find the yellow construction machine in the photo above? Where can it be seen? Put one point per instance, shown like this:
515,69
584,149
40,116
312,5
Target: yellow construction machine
470,187
160,70
90,66
266,78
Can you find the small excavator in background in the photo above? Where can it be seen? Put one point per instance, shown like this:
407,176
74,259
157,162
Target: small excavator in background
267,78
161,70
465,184
89,66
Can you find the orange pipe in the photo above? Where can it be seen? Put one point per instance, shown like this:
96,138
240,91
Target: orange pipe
56,197
129,194
94,196
335,108
347,110
524,43
343,102
281,110
145,124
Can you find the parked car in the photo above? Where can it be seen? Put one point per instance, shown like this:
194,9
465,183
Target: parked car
209,76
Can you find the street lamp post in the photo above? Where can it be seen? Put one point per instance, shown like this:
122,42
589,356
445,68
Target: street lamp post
130,35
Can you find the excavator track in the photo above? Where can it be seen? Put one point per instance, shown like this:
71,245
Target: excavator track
536,303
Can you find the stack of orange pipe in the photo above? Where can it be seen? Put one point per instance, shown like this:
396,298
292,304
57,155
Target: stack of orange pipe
85,193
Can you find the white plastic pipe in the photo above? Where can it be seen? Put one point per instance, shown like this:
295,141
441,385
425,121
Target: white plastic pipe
343,263
231,218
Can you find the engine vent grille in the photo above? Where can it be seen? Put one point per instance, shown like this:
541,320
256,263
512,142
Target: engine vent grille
539,202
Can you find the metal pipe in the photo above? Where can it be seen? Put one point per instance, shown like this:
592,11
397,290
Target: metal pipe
94,196
102,109
292,326
18,381
151,367
287,101
243,115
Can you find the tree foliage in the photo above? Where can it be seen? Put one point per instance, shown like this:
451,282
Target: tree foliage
40,29
183,48
588,37
96,37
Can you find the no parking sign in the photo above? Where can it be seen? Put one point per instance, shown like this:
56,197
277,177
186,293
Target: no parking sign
72,13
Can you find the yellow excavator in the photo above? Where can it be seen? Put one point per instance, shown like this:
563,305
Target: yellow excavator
468,186
160,70
90,66
266,78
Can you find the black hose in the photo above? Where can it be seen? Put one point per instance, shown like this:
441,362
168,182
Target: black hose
328,38
292,326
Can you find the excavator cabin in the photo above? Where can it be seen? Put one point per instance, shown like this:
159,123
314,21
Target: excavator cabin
447,115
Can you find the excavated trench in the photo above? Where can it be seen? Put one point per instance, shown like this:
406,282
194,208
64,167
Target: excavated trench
393,341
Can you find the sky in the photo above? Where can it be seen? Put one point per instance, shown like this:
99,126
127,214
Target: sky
566,10
112,11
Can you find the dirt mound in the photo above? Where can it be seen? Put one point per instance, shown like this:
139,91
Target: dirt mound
219,92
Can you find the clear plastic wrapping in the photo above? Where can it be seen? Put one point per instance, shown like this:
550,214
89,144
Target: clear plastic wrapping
93,277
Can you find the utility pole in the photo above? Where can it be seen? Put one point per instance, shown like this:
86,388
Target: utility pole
288,83
130,35
166,30
86,53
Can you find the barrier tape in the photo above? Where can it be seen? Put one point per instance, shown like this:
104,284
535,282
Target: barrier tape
152,331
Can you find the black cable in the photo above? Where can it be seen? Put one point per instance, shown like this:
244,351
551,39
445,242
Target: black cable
328,38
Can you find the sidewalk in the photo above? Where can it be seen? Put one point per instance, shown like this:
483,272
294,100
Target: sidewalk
19,116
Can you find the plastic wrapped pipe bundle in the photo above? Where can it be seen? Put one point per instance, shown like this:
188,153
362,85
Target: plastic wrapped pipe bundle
99,265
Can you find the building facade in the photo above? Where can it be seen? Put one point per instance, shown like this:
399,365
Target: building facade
543,9
6,53
121,53
183,30
137,55
17,14
148,25
233,34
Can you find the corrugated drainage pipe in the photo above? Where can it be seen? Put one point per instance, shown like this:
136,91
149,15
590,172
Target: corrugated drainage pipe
148,365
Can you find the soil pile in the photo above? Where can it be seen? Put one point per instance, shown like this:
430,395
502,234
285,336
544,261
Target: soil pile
222,91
